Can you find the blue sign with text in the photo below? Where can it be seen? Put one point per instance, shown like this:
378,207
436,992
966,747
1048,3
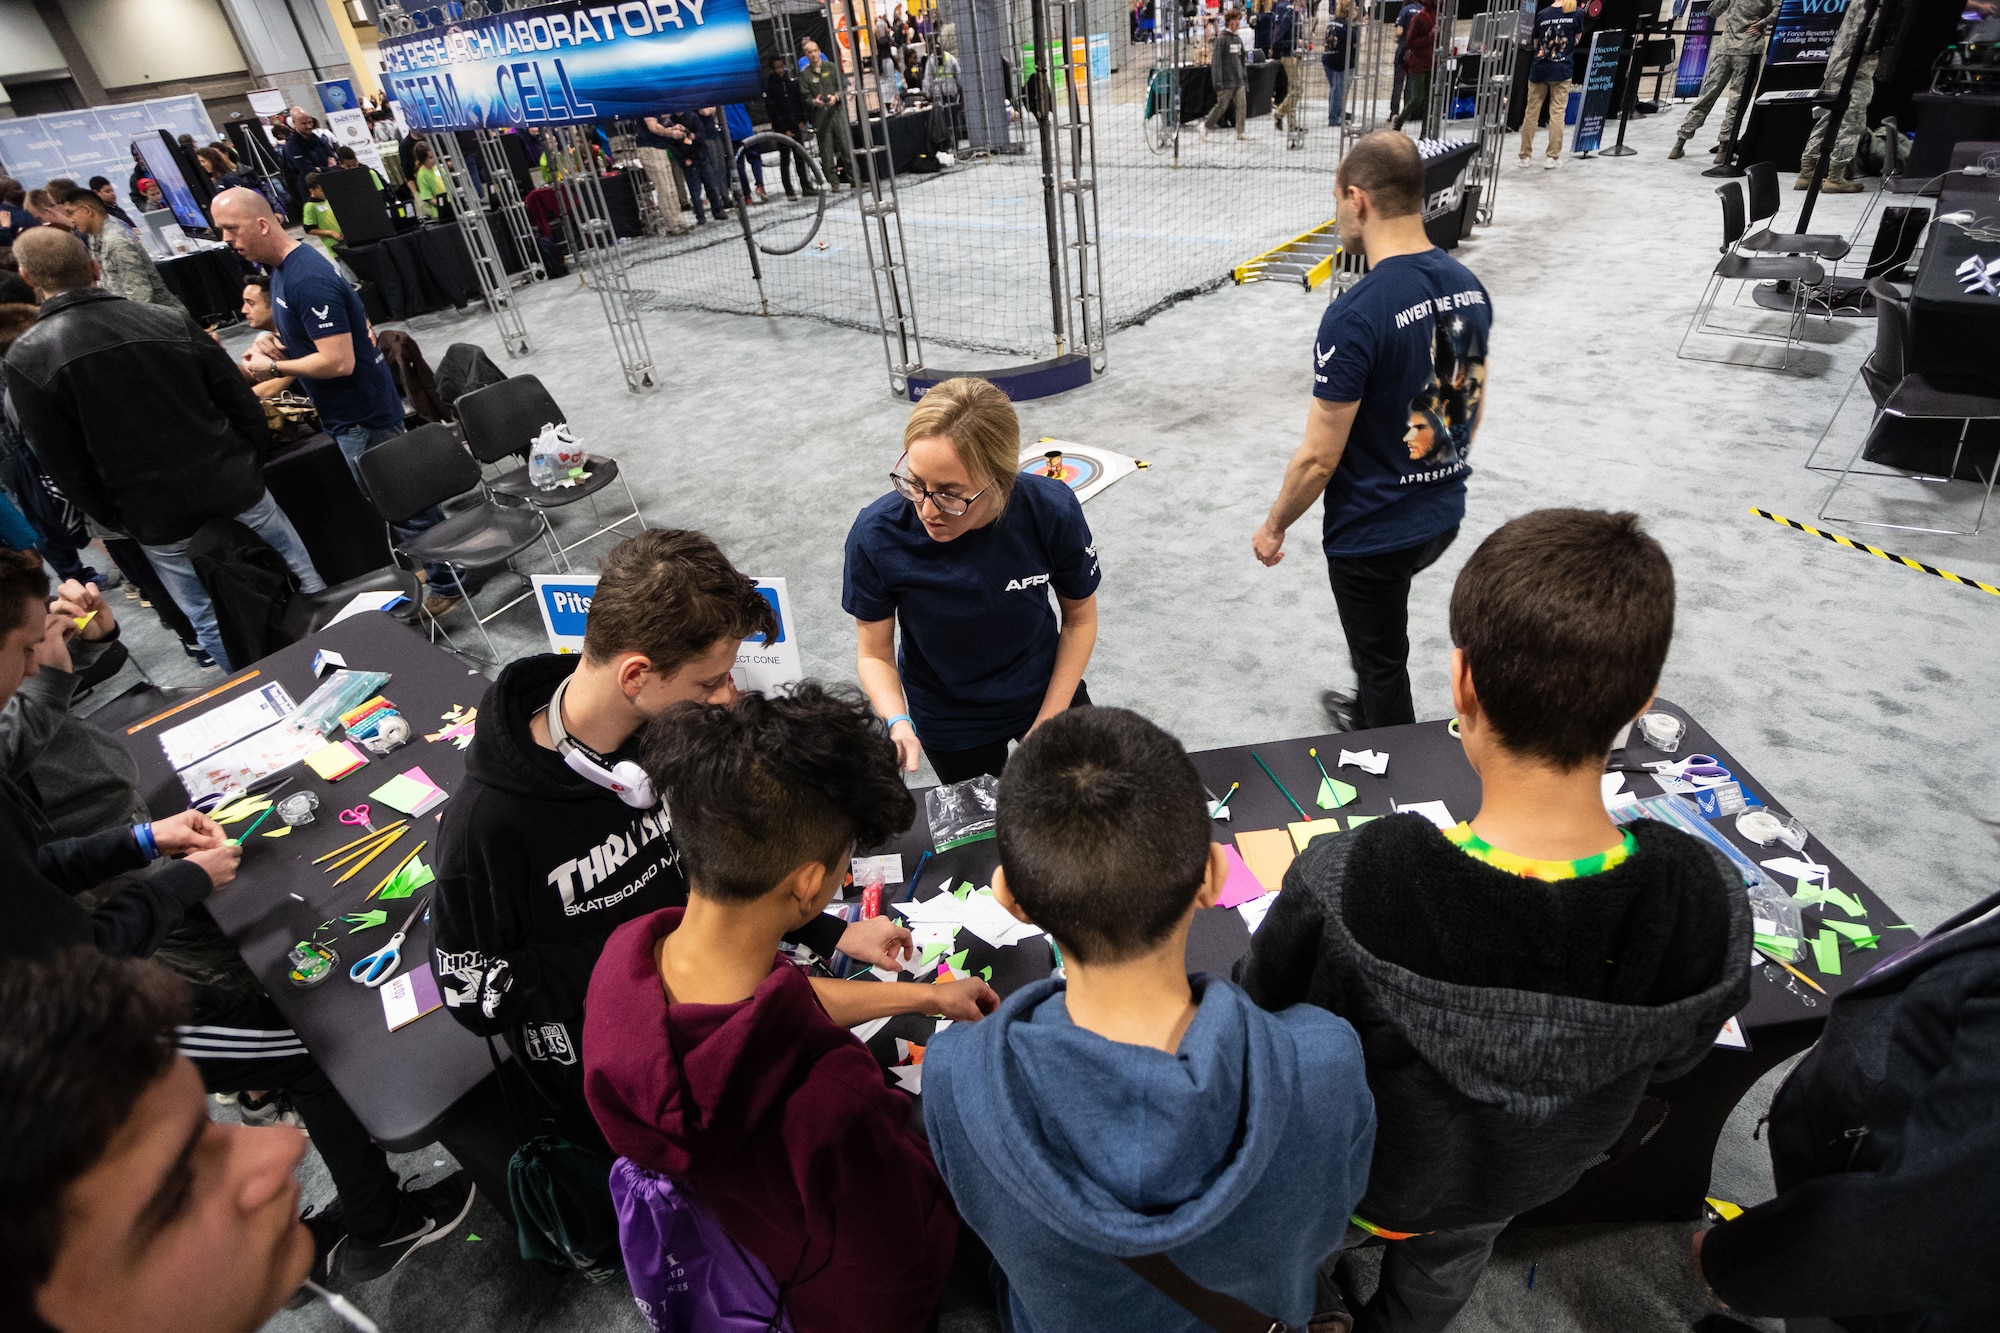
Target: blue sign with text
1803,32
1599,74
558,64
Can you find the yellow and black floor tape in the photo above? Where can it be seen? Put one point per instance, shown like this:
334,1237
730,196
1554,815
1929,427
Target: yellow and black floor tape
1890,556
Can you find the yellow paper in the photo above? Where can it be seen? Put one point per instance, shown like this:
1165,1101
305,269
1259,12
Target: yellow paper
1268,853
279,832
85,619
1304,832
334,762
240,811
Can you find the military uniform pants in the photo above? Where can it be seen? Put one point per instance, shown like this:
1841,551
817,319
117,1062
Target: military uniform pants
1848,140
1726,73
829,124
660,170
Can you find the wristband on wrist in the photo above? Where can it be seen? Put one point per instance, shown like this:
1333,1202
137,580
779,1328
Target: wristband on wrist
149,846
890,724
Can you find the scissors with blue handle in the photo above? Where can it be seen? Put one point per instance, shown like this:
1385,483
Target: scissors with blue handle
379,966
1696,768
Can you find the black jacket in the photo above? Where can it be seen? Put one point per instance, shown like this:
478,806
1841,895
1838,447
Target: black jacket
137,414
41,916
784,103
1885,1144
305,153
1493,1095
248,585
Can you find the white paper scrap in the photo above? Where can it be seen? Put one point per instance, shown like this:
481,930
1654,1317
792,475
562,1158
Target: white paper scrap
1254,911
910,1078
1791,867
871,1027
1371,760
368,601
1435,811
1732,1035
890,865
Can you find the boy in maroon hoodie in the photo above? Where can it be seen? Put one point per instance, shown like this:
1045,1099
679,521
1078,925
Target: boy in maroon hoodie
710,1059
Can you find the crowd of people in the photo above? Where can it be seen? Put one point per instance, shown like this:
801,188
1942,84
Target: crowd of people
1433,1032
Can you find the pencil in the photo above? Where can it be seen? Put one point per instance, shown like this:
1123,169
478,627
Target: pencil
1319,765
238,839
363,862
380,841
1219,805
370,837
397,871
138,727
1800,975
1279,785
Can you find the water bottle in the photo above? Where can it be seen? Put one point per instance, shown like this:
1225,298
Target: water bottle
543,472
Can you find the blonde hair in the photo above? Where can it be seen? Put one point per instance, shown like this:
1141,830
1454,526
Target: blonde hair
979,421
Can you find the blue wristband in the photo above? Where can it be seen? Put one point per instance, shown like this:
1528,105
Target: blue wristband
890,723
149,847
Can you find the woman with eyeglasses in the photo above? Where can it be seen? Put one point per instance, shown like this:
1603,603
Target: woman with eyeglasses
965,552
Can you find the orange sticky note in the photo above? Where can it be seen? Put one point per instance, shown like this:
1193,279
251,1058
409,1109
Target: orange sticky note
1268,853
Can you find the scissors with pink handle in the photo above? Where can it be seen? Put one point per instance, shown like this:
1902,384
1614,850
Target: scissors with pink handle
358,815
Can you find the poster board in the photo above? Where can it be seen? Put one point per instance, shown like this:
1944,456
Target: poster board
1693,67
1599,73
1803,32
560,63
350,129
96,141
564,601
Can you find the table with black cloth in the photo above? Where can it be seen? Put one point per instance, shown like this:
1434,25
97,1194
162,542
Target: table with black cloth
905,135
1663,1180
1262,88
417,271
208,282
313,485
1953,337
401,1084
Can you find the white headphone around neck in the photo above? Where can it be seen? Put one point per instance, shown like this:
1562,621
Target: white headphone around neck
624,779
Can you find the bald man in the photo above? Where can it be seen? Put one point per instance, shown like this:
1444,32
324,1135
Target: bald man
304,151
141,419
322,336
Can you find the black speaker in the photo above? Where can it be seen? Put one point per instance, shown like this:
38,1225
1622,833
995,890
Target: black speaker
362,215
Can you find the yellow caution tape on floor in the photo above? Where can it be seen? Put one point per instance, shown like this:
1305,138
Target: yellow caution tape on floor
1890,556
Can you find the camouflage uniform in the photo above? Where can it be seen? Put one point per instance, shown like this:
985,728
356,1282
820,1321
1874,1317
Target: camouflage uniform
1855,122
127,269
1731,49
820,79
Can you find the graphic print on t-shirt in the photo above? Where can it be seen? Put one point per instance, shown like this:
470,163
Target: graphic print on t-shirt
1443,413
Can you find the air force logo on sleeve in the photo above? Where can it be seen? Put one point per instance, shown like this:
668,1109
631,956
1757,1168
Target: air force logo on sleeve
319,311
1321,355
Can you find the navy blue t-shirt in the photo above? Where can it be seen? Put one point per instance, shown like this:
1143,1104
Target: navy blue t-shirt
979,633
1555,47
310,300
1408,342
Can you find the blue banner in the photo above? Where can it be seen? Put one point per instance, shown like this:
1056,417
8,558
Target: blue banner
96,141
1599,73
1803,32
558,64
337,95
1694,51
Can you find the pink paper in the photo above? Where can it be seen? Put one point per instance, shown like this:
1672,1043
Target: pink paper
1241,886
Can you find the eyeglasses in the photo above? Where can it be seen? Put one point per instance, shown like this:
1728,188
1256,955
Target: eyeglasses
951,506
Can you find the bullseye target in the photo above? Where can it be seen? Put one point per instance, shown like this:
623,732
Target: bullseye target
1084,469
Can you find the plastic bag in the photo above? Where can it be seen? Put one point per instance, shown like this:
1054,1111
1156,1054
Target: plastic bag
337,694
962,812
1773,913
544,466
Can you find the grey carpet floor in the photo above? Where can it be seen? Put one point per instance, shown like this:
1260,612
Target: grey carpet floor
1854,687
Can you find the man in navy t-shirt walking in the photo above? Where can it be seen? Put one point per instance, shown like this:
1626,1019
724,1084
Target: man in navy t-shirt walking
324,339
1399,378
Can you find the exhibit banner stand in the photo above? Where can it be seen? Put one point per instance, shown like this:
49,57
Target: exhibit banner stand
1599,73
564,601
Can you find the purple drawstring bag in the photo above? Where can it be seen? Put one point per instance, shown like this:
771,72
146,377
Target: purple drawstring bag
687,1275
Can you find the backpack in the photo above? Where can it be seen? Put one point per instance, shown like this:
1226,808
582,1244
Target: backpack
560,1198
687,1275
467,367
248,585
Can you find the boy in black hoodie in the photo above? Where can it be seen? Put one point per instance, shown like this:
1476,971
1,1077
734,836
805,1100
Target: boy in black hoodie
1517,981
557,838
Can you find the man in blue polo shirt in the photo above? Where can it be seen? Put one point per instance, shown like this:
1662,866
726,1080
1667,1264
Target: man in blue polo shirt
324,339
1399,378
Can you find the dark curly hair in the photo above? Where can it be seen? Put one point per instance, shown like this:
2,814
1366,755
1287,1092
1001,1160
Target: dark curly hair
85,1036
762,787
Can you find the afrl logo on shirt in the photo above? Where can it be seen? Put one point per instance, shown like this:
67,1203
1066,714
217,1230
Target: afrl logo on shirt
1016,585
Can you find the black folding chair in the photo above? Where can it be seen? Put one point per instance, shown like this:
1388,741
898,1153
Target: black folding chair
501,422
1898,393
1735,266
408,474
1764,196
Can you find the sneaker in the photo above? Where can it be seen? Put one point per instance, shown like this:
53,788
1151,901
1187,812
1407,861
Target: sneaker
428,1214
1678,151
1523,159
329,1233
1204,134
198,655
1551,163
1341,710
437,604
1833,186
271,1109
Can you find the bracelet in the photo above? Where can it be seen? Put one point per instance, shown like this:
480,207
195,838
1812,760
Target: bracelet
890,723
149,846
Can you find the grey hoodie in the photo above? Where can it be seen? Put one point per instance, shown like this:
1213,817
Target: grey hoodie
1489,1101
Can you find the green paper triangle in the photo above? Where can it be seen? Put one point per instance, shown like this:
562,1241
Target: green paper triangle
930,952
1777,944
365,921
1356,821
1333,793
1848,928
957,961
986,974
1826,952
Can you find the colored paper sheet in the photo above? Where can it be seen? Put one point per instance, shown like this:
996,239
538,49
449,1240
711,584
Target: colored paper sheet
957,961
336,761
411,793
1241,886
237,811
408,880
1304,832
409,997
1776,945
1356,821
1807,893
279,832
1333,793
1268,853
1845,901
361,921
1826,952
1848,928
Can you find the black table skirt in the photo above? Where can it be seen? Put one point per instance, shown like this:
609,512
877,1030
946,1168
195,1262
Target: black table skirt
342,532
1953,334
1664,1180
208,282
1264,86
907,134
416,272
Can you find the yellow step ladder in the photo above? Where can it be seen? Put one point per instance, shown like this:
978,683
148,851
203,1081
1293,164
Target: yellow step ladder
1307,258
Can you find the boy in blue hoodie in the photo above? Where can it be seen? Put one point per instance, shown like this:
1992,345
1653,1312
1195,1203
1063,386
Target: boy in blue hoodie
1131,1125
